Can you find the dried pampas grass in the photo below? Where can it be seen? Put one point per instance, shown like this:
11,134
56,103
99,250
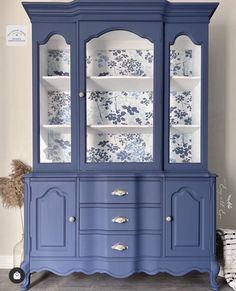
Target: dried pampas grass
12,187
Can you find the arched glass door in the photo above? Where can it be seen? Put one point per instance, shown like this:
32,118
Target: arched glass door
55,101
185,102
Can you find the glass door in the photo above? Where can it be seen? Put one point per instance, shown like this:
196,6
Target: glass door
185,102
119,99
55,101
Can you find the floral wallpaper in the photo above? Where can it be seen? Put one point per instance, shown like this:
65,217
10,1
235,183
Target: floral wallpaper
113,148
181,62
120,63
180,144
59,147
59,62
59,107
120,107
181,107
180,147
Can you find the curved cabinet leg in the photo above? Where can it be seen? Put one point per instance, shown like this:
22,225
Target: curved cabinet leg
25,284
215,268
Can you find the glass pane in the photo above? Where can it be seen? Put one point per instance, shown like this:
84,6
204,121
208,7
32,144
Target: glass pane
55,101
185,101
119,98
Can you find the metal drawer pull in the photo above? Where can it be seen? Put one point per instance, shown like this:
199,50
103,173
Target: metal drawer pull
119,192
120,219
72,219
119,247
168,218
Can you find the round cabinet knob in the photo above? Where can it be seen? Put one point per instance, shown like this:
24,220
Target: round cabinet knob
168,218
81,94
72,219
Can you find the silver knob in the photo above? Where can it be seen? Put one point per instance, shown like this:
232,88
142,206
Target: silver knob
72,219
168,218
81,94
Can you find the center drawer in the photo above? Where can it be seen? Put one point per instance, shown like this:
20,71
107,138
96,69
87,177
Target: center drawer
119,191
139,218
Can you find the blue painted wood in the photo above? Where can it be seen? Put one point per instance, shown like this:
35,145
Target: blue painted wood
187,203
52,205
54,192
120,10
138,192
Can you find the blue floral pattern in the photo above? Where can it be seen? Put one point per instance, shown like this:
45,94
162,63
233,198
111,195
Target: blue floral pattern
180,148
120,107
59,107
181,62
119,148
59,147
120,63
181,107
59,62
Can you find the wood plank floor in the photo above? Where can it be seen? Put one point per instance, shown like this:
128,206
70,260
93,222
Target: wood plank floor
46,281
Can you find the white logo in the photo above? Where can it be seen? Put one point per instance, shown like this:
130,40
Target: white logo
16,276
16,35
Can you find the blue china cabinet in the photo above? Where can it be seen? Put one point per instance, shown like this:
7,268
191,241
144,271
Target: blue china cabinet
120,181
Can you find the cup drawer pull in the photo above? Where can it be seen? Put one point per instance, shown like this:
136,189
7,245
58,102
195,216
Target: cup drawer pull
119,192
119,247
120,219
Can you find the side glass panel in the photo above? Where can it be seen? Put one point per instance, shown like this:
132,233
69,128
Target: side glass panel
55,101
119,98
185,102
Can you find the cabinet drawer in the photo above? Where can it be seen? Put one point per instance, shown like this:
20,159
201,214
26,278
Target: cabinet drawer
120,218
120,191
98,245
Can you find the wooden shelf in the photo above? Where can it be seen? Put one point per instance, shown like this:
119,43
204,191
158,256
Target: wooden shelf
119,129
57,127
184,83
185,128
61,83
119,83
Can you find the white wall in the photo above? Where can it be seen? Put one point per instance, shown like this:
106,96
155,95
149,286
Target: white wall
16,117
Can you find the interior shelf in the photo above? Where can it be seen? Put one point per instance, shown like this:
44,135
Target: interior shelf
119,83
185,128
61,83
119,129
57,127
185,83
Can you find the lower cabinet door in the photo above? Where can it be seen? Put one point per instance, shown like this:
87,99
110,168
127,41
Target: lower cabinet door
187,218
53,218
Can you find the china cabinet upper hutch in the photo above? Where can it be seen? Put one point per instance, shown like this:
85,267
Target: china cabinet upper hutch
120,181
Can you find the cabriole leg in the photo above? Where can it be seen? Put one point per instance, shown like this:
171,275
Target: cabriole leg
26,283
215,268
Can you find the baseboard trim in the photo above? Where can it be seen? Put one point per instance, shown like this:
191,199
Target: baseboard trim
6,262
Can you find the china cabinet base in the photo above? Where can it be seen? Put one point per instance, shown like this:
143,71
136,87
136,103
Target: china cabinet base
121,225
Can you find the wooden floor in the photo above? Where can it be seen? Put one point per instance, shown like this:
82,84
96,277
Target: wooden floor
100,282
